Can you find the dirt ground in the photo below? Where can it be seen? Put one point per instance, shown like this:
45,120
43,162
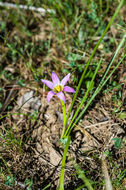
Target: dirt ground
40,158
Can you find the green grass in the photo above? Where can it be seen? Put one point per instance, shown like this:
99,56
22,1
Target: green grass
85,38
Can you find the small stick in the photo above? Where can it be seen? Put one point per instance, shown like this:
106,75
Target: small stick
87,134
32,8
109,122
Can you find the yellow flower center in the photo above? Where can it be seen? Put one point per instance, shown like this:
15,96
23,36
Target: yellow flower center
58,88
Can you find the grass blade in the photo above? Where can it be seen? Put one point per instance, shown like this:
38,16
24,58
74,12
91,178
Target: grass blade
91,56
102,83
85,96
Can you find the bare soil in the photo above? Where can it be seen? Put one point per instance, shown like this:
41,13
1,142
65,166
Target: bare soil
41,155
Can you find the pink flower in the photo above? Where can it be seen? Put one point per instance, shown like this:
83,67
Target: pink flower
57,87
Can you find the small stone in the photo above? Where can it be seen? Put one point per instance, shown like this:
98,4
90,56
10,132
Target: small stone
55,158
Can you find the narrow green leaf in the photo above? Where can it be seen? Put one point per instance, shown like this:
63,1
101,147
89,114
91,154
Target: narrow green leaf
102,83
91,56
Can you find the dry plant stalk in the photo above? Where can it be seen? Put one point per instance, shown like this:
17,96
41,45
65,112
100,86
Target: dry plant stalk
106,174
25,7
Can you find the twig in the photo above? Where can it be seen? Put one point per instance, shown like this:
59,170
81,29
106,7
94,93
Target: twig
25,7
87,134
109,122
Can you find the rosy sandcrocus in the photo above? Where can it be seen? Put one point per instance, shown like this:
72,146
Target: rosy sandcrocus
57,87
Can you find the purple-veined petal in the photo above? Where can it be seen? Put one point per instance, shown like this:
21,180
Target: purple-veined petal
68,89
65,79
61,96
50,95
55,78
48,83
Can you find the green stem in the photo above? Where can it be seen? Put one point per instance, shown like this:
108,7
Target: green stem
5,163
64,117
81,175
107,7
81,187
93,96
63,164
91,56
100,3
101,84
85,97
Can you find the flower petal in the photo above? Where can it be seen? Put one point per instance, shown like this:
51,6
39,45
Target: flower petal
50,95
61,96
65,79
55,78
48,83
68,89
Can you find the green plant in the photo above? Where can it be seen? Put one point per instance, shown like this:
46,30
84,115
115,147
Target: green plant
10,181
117,142
11,141
71,23
81,175
103,81
29,183
101,84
